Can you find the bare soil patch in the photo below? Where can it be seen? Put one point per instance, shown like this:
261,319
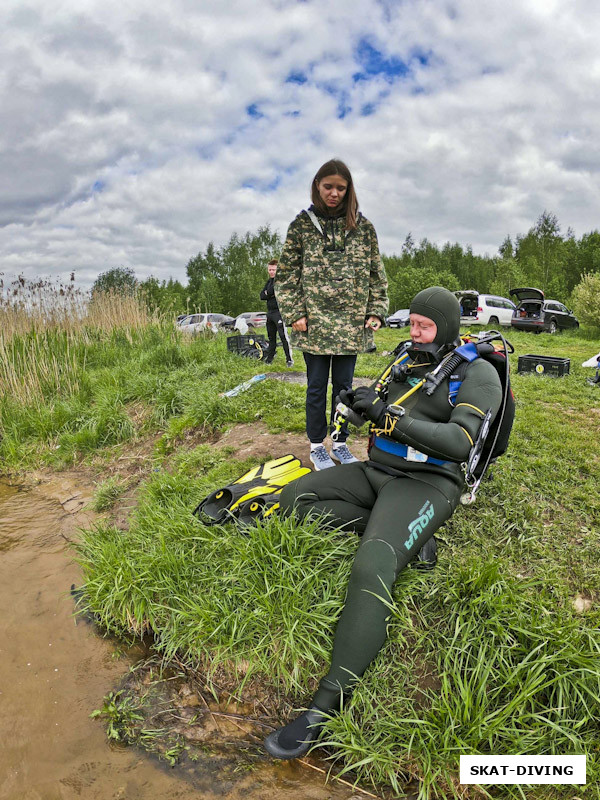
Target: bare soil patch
253,439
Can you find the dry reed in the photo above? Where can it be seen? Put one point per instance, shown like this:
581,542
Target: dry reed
36,306
42,322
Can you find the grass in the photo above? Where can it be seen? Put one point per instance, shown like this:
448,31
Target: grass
490,653
108,492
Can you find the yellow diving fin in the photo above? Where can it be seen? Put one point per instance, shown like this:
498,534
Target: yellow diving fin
266,479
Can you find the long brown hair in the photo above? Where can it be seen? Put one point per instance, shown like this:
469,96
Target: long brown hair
350,202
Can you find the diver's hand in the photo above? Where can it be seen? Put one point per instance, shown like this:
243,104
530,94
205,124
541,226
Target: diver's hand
374,323
368,403
346,396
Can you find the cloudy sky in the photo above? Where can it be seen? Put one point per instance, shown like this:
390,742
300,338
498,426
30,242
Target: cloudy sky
133,136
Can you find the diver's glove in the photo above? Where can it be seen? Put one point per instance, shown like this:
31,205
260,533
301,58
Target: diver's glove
346,396
368,404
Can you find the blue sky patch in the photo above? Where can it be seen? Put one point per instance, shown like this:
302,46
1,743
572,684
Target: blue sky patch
98,186
296,77
254,112
375,63
260,185
342,97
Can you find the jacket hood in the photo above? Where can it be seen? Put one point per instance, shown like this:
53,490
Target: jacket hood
339,212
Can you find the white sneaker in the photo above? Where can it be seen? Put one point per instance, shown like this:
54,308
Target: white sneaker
342,454
320,458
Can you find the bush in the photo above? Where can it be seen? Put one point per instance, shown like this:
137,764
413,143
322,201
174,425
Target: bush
586,299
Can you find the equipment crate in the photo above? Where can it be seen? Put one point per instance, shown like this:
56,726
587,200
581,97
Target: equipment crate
544,365
249,346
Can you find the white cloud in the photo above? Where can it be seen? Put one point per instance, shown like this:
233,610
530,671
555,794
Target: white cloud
125,135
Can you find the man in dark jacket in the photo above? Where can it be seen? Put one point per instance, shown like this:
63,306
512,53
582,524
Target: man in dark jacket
275,324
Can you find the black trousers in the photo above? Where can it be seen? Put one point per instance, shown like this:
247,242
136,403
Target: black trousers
275,325
317,377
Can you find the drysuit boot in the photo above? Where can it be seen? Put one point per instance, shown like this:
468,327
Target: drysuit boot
426,558
297,737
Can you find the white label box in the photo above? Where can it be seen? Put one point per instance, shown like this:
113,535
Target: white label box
530,770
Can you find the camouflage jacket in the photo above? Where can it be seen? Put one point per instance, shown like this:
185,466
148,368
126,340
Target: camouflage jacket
334,278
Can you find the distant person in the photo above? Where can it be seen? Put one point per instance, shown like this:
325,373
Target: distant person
275,324
595,381
332,290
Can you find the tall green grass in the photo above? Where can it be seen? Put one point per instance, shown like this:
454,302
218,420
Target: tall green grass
67,395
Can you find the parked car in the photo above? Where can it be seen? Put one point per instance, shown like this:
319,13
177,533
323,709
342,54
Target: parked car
484,309
253,319
194,323
535,313
399,319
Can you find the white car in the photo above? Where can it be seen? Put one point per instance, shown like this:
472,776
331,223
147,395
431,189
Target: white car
195,323
484,309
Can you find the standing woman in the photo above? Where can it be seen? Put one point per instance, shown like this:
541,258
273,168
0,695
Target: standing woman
332,291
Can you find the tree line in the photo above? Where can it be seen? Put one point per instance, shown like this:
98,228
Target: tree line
228,279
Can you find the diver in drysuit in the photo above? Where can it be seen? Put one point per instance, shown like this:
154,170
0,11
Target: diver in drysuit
396,500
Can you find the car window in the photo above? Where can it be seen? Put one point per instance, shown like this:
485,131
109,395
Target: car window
562,308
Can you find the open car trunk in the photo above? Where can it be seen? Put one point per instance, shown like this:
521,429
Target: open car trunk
468,303
529,309
529,302
468,307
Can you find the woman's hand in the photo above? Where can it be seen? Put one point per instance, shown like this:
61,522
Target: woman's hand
373,322
300,325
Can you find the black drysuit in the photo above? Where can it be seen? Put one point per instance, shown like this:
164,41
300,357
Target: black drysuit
395,511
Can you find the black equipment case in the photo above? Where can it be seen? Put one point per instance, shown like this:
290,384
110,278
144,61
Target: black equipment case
544,365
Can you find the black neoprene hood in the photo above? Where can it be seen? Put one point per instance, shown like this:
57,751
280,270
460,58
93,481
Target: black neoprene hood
443,308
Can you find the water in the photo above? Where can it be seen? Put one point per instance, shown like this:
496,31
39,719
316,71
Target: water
55,670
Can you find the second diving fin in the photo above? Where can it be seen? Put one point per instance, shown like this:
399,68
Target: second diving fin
265,479
263,504
258,508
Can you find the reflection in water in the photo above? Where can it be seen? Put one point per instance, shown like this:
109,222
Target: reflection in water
54,670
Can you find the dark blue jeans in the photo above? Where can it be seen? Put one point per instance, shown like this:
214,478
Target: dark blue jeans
317,377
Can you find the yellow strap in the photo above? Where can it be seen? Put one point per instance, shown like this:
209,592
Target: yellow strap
389,423
469,405
466,433
404,397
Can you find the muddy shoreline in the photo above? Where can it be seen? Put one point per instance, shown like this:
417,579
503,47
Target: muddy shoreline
195,732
